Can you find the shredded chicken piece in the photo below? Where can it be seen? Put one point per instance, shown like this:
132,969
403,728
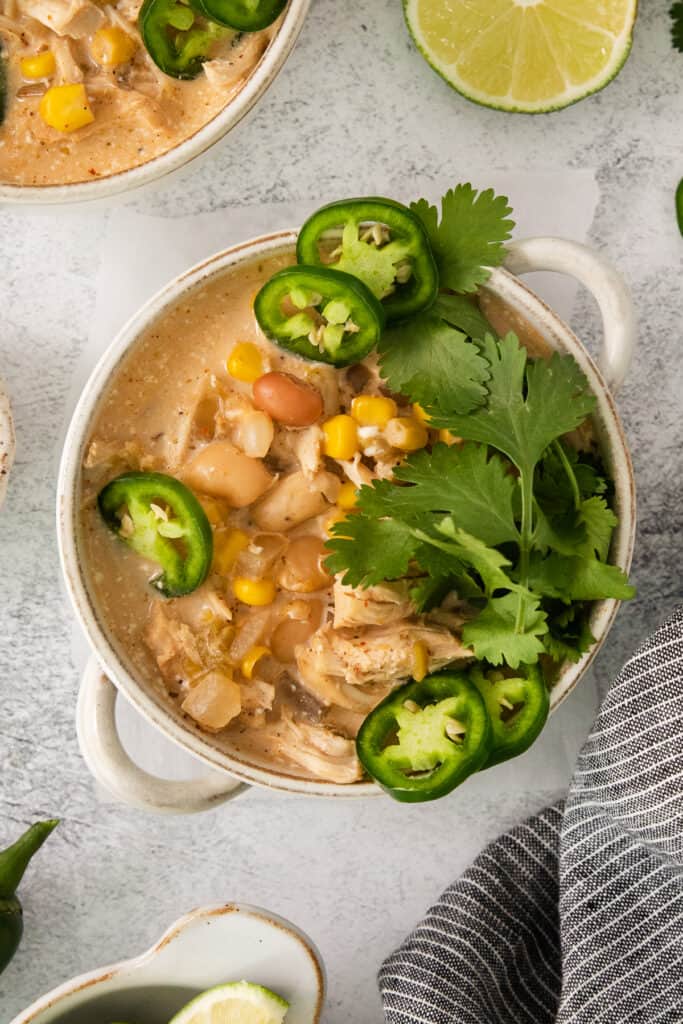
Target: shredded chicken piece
322,752
171,642
338,661
68,68
357,473
307,446
76,18
375,606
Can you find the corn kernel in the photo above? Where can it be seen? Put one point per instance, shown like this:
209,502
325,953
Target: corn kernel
341,437
245,363
420,414
112,46
41,65
373,410
348,496
66,108
251,658
254,592
406,434
447,438
227,545
420,661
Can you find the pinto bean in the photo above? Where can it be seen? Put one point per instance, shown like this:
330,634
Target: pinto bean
288,400
222,471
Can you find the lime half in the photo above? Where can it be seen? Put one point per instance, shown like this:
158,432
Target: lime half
529,56
237,1003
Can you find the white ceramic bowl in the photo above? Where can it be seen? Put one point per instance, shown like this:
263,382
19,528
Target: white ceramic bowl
98,736
103,188
208,947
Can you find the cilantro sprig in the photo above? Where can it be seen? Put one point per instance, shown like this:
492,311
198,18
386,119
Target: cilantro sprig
512,520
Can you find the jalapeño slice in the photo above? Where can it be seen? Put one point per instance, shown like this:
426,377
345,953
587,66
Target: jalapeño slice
380,242
426,738
518,708
320,314
177,40
160,519
244,15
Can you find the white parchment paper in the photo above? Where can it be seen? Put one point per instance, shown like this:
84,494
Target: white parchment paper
141,254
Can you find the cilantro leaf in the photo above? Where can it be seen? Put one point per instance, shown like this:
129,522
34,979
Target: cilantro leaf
469,239
433,363
463,481
578,579
494,635
569,635
486,561
599,521
676,13
584,531
462,312
562,533
429,591
561,473
530,403
370,551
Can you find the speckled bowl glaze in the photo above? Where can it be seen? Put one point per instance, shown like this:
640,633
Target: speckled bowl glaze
125,181
208,947
97,731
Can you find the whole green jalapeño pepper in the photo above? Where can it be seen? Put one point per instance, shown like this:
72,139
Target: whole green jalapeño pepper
518,708
380,242
426,738
13,863
160,519
176,39
320,314
244,15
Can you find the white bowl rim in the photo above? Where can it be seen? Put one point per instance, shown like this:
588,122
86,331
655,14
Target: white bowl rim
103,974
189,149
500,280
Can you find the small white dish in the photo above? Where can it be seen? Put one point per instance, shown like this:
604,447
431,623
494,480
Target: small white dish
7,441
208,947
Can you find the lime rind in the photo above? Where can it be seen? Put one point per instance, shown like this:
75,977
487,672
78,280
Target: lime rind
198,1010
620,53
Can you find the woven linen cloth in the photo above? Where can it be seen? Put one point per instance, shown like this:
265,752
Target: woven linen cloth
577,914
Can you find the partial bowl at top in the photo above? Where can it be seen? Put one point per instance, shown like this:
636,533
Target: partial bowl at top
168,369
87,113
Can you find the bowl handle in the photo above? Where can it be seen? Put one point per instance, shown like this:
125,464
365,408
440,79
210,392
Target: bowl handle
112,767
601,279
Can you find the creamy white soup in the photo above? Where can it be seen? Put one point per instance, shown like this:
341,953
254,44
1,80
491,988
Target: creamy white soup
84,100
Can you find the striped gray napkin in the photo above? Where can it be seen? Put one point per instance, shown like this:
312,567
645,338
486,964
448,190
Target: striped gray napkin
577,914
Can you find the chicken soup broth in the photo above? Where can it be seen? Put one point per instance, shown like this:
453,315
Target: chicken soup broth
278,660
83,98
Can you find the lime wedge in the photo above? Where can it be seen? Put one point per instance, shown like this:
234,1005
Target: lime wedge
237,1003
529,56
